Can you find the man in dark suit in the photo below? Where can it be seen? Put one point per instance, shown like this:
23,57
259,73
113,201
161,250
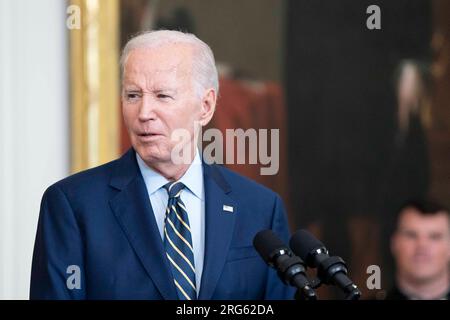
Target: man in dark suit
156,224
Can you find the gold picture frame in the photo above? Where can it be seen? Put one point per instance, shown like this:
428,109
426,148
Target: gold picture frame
94,84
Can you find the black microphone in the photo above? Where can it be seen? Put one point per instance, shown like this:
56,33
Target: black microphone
331,270
291,269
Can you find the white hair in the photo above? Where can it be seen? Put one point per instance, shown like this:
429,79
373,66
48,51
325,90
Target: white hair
204,68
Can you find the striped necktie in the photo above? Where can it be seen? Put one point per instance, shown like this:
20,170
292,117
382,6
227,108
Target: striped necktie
178,243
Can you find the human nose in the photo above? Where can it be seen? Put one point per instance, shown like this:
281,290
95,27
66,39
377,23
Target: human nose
147,109
422,243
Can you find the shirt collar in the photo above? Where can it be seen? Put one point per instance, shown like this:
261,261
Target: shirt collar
192,178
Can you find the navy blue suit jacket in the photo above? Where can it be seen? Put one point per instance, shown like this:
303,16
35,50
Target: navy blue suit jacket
101,220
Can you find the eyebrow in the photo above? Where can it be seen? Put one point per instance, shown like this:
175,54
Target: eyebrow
131,86
128,91
159,90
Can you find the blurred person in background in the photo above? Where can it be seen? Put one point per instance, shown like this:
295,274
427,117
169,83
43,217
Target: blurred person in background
407,172
421,249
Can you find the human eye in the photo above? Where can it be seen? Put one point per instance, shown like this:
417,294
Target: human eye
164,96
436,236
132,95
409,234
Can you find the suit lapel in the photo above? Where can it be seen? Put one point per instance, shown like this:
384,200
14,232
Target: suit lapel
219,226
134,213
132,208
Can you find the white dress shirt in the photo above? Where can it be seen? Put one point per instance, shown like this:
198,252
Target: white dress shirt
193,197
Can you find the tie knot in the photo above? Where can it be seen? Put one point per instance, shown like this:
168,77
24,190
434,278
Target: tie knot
174,188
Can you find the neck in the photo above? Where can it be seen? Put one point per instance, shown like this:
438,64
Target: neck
434,288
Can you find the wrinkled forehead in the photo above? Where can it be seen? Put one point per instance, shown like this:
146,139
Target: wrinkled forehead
170,61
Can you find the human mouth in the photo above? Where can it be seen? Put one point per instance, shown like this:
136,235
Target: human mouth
421,258
147,136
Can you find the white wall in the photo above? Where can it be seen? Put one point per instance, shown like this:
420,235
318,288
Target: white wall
34,127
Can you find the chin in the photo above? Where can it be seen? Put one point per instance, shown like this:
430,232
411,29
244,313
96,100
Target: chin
423,275
152,154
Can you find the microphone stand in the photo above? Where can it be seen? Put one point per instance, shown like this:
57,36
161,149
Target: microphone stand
340,270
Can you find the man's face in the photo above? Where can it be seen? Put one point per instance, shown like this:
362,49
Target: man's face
421,245
158,97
